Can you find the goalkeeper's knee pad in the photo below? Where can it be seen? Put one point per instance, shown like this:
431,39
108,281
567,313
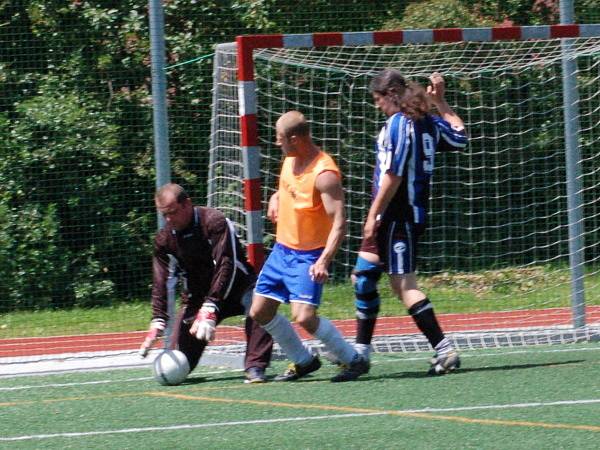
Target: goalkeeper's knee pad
366,275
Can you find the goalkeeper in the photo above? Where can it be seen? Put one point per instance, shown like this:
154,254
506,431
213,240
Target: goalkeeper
405,151
200,244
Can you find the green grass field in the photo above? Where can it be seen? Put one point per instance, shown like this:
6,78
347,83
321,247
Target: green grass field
519,398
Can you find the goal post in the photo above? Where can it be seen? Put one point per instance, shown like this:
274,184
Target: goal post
513,215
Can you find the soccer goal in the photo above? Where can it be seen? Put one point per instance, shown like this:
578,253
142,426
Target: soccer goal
514,221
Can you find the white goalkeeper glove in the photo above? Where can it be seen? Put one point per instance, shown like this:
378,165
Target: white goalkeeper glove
204,324
156,330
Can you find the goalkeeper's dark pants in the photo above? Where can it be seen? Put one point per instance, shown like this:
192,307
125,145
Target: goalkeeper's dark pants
259,343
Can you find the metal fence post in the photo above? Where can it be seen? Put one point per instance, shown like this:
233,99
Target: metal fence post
574,171
159,97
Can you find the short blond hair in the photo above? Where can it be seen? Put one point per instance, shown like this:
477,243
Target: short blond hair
294,123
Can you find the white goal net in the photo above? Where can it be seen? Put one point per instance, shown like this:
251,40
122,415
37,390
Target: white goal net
499,231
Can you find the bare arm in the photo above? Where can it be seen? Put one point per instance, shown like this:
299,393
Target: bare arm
389,185
436,91
273,209
332,194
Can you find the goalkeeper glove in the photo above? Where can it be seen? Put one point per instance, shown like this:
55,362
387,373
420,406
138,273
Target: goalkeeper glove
206,321
157,327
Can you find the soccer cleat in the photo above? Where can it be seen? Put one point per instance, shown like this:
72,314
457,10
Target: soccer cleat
356,368
295,371
255,375
443,364
434,359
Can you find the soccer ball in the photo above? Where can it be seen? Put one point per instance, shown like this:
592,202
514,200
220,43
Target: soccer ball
170,367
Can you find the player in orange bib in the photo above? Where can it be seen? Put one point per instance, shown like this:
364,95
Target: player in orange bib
308,209
303,222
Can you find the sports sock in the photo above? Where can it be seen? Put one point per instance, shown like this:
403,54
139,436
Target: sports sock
423,315
283,333
364,330
334,342
363,350
443,347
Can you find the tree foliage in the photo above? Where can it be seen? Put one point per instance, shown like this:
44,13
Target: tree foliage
76,151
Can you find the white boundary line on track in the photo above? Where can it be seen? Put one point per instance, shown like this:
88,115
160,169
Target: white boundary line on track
100,361
293,419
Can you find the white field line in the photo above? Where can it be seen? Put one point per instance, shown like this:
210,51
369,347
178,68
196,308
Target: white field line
294,419
394,359
187,427
84,383
387,360
81,383
506,406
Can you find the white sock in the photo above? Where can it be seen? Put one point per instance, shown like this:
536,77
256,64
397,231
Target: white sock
443,347
334,342
283,333
363,350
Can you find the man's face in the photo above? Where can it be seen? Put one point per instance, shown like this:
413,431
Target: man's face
385,104
284,142
178,215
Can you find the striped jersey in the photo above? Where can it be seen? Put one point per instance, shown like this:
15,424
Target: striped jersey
407,148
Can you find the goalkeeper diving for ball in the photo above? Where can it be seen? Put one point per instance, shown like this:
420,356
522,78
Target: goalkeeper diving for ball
201,245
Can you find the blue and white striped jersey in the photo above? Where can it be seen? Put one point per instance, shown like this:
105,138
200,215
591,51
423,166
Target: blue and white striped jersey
406,148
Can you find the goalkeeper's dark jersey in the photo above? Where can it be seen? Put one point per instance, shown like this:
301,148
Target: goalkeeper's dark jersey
209,259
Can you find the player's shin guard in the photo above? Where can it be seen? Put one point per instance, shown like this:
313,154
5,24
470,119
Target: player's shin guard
423,315
367,301
283,333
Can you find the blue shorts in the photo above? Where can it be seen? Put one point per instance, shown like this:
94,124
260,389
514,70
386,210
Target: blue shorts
285,277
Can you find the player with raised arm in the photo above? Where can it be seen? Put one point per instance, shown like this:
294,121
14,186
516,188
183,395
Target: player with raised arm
405,155
201,245
309,211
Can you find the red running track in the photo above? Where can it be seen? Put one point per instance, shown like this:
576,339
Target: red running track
386,326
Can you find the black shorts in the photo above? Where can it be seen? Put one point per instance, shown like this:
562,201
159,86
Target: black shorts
395,243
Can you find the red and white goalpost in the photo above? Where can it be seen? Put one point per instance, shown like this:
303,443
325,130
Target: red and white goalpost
514,215
246,45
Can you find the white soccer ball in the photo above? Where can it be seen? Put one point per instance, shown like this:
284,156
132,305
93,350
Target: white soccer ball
170,367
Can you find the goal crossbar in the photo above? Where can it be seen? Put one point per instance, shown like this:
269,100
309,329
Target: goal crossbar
515,218
247,44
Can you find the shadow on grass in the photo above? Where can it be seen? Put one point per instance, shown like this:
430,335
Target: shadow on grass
270,379
194,380
200,379
464,370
